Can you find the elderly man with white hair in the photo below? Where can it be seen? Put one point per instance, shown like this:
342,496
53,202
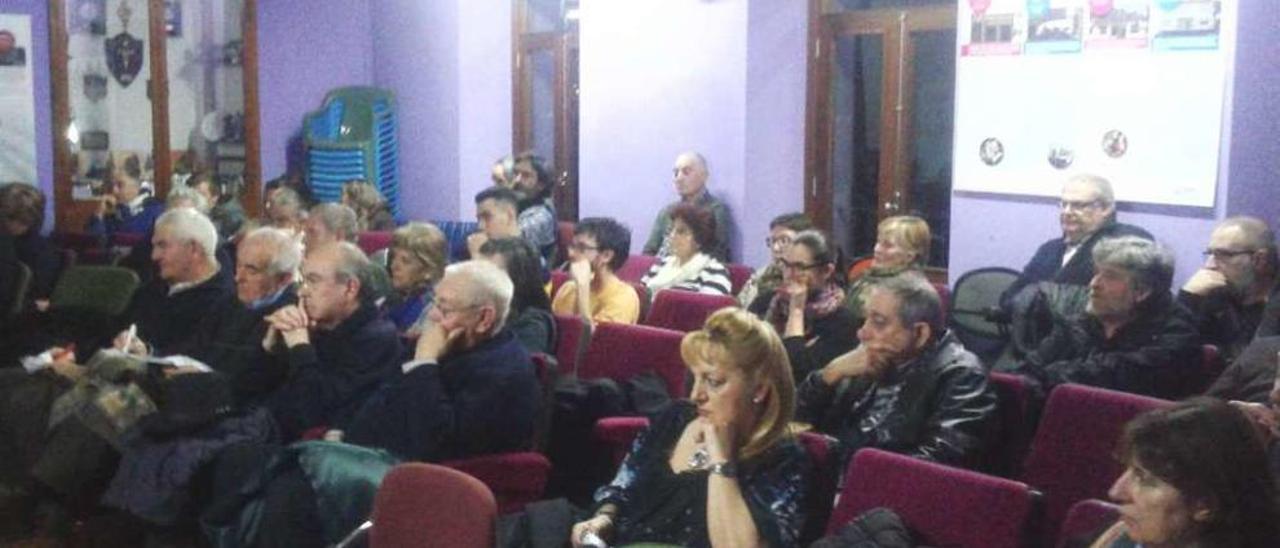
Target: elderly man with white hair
166,311
470,390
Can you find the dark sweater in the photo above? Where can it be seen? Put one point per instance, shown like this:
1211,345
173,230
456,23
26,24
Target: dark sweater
1155,354
170,323
1046,264
328,378
482,400
1251,376
232,345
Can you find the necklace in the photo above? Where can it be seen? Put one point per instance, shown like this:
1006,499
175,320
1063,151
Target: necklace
700,458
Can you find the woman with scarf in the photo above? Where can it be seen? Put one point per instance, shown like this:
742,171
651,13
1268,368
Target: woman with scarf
902,244
806,309
418,252
688,267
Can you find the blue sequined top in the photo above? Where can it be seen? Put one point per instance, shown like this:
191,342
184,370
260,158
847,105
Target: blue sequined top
658,505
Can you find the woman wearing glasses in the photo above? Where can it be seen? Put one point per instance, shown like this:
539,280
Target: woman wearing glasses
902,243
755,294
806,308
688,267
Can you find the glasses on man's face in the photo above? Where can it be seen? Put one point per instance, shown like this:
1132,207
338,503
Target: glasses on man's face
583,248
1077,205
1220,255
788,265
780,241
446,309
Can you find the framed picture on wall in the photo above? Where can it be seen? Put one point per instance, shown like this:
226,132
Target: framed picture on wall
173,17
12,53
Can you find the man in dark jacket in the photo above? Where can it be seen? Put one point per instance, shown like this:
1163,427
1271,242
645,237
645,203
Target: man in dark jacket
1087,214
1228,294
1133,337
334,349
910,387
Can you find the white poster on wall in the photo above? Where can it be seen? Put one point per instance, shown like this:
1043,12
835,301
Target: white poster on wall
17,101
1131,90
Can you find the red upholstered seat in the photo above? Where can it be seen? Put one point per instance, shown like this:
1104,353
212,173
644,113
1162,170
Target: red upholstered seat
942,505
1072,457
516,479
1085,520
558,278
372,241
564,238
571,340
621,351
684,310
1015,424
738,275
423,505
635,267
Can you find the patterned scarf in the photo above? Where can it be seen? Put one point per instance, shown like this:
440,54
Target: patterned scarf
820,304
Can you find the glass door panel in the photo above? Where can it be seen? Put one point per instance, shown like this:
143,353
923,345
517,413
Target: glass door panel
857,84
931,55
540,69
109,124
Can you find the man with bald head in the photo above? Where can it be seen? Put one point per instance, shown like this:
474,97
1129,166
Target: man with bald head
690,177
1230,291
333,348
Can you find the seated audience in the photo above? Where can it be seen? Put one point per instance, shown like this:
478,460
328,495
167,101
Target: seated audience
720,469
333,348
126,208
530,316
600,247
418,258
21,220
1196,475
1133,336
286,210
225,210
902,244
688,267
808,308
1250,376
1087,215
1228,294
1052,288
690,177
329,223
372,211
910,387
470,390
782,230
533,183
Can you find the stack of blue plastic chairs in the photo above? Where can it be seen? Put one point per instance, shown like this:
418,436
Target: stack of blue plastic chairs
353,136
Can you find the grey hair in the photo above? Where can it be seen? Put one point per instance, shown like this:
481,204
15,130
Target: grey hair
286,251
486,284
287,198
1101,185
188,225
918,301
353,264
1149,263
180,196
338,218
697,158
1256,231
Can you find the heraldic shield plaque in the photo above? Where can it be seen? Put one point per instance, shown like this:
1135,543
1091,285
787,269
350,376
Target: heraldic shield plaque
124,57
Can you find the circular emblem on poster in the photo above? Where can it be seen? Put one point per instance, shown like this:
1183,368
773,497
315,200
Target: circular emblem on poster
979,7
1061,157
991,151
1100,8
1115,143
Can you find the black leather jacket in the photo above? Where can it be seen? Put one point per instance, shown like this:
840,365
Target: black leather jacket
941,410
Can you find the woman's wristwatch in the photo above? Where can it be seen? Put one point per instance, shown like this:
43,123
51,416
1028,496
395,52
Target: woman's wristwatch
727,469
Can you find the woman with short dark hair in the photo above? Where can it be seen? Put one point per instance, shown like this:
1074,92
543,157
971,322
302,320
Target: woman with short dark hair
530,316
689,267
1196,475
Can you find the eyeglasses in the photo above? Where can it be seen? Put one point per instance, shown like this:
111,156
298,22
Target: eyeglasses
583,248
788,265
1066,205
445,309
779,241
1224,254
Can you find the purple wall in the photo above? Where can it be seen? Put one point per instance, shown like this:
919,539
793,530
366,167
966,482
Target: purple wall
484,98
38,58
303,52
776,76
1254,148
